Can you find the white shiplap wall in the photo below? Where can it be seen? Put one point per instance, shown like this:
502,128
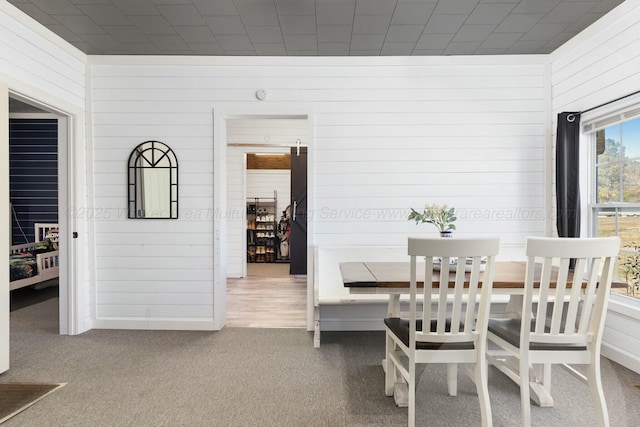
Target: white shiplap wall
40,67
37,63
470,135
154,274
389,133
598,66
263,183
253,135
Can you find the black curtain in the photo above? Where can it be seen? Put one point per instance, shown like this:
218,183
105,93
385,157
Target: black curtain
567,175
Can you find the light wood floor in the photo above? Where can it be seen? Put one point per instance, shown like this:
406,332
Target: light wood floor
267,298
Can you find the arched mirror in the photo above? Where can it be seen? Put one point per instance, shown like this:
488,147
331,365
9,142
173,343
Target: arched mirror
153,182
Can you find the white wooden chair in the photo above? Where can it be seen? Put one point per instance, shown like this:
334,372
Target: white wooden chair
457,332
568,322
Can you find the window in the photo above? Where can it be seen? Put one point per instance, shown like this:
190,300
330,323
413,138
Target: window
615,195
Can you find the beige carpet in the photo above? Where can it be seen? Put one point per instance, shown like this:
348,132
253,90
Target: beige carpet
263,378
16,397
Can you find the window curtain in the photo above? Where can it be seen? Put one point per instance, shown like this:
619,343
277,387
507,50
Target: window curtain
567,175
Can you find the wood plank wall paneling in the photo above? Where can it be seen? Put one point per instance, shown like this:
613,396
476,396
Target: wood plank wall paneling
444,113
37,65
33,175
269,161
34,63
598,66
263,184
399,133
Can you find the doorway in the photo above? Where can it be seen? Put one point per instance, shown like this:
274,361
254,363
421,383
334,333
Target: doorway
38,141
66,311
33,201
261,289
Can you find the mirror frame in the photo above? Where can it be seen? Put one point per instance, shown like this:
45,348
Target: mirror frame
151,155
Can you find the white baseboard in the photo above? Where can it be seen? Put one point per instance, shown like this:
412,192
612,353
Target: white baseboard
154,325
373,324
621,336
618,355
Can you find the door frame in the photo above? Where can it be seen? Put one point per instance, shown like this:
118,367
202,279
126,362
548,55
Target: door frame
4,218
61,151
220,165
72,320
69,320
252,150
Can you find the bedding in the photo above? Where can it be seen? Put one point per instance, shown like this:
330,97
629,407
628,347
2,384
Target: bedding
23,264
37,262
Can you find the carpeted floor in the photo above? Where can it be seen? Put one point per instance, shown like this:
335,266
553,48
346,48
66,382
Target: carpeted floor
260,377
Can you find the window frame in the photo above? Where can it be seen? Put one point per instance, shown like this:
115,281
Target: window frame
602,119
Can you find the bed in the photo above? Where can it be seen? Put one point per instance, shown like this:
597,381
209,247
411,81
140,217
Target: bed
36,262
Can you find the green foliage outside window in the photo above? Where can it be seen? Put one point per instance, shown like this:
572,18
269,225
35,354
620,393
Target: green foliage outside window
630,269
618,176
618,196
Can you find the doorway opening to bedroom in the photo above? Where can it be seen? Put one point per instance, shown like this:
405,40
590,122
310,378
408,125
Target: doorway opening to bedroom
265,284
34,138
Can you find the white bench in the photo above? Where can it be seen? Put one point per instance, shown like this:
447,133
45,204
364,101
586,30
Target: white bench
334,307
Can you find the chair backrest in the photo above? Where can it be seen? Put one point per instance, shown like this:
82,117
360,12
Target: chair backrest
571,303
457,315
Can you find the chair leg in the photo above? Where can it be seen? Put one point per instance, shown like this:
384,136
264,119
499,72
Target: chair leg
546,377
525,395
452,378
481,379
412,393
390,371
597,393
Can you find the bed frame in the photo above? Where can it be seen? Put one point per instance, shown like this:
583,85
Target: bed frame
47,263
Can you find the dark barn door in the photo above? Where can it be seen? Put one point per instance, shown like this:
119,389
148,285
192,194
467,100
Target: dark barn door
298,240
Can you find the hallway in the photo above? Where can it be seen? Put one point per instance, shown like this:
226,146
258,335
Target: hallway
267,298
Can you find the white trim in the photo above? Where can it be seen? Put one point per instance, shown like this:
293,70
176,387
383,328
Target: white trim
311,173
617,108
220,202
91,222
4,231
620,356
153,324
72,321
32,115
305,61
66,276
65,179
630,308
549,191
627,306
219,220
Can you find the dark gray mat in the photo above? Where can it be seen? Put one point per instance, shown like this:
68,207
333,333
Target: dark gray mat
16,397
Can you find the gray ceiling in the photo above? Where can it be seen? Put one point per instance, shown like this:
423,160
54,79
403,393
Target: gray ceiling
316,27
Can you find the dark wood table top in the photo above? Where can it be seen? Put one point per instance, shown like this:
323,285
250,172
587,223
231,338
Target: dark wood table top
506,275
